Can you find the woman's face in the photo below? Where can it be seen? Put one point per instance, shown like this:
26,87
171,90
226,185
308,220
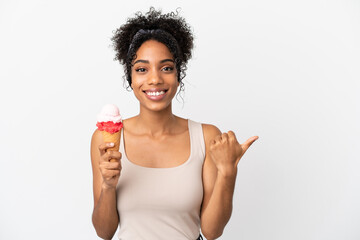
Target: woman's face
154,76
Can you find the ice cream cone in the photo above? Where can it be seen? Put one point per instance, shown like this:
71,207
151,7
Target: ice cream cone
109,123
114,138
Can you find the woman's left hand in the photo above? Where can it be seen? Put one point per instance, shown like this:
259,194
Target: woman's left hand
226,152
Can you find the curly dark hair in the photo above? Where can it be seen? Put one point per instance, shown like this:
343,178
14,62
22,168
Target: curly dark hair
169,29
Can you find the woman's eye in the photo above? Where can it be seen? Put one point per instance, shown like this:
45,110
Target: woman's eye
140,70
168,69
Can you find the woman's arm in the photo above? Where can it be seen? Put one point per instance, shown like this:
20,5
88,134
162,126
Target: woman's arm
105,176
219,175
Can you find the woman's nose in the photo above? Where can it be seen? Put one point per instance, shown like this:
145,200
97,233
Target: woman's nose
155,78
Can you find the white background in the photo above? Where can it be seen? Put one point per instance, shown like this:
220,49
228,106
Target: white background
287,71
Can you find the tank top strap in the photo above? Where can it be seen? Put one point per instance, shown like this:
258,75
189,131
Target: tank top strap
123,160
197,139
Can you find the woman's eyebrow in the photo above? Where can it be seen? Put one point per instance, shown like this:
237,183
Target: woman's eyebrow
166,60
147,61
140,60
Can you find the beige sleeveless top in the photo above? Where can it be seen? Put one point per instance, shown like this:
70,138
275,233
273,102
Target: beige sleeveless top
162,203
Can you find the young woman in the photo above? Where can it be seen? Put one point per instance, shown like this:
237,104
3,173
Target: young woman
174,176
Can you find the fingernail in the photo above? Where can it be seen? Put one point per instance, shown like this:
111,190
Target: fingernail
110,144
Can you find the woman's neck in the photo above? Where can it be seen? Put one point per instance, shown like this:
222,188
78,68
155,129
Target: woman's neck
155,123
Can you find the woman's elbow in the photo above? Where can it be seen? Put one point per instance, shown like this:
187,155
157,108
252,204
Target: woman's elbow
211,235
104,235
104,232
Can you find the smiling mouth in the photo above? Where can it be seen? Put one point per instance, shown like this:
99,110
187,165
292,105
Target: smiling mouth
155,93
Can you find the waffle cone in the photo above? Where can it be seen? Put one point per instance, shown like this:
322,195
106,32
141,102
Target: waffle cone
112,137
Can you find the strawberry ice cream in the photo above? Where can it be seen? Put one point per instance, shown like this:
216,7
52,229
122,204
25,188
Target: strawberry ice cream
109,119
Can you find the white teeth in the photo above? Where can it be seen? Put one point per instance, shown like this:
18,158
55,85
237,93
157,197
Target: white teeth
155,93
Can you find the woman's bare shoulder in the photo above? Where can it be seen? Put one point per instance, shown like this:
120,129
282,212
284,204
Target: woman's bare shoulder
210,131
128,123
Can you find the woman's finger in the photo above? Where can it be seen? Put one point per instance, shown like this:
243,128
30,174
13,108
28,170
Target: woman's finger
224,137
111,165
113,156
104,146
108,174
248,142
217,138
232,136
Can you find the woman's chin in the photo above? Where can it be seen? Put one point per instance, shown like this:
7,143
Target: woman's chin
157,107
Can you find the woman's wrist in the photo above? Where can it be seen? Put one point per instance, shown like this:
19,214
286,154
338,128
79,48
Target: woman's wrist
228,173
107,188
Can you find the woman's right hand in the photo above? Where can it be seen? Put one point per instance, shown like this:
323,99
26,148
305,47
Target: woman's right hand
110,171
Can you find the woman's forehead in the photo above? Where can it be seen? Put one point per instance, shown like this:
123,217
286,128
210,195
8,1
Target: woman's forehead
153,50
